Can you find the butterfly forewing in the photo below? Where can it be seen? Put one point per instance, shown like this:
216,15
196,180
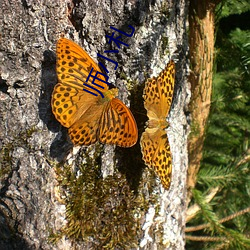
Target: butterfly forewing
74,65
158,92
62,104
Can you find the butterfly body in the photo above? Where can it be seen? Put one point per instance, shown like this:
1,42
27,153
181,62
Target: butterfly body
89,118
157,123
108,95
158,93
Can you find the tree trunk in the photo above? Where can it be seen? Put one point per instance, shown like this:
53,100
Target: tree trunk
201,40
54,195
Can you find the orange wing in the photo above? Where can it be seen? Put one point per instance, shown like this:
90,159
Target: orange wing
74,64
157,155
117,125
158,93
87,116
69,101
85,130
155,148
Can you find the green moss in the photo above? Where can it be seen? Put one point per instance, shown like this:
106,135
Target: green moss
19,140
164,45
164,10
129,83
105,212
123,76
28,133
195,129
5,161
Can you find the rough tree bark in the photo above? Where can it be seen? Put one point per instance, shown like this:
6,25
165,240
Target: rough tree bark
38,162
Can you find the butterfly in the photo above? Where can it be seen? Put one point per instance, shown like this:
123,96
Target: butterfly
157,95
88,117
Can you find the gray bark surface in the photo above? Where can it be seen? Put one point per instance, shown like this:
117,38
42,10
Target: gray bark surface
32,142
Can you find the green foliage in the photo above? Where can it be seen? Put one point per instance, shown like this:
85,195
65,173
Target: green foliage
207,211
230,7
226,153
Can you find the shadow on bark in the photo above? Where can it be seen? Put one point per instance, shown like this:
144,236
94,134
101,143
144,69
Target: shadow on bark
9,239
61,145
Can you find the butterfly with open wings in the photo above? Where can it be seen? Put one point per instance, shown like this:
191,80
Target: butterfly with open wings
88,118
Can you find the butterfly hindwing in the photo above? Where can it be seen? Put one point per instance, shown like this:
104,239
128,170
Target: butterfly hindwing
118,125
63,106
157,155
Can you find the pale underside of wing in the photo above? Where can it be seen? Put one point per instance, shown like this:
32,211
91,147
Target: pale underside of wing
156,154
